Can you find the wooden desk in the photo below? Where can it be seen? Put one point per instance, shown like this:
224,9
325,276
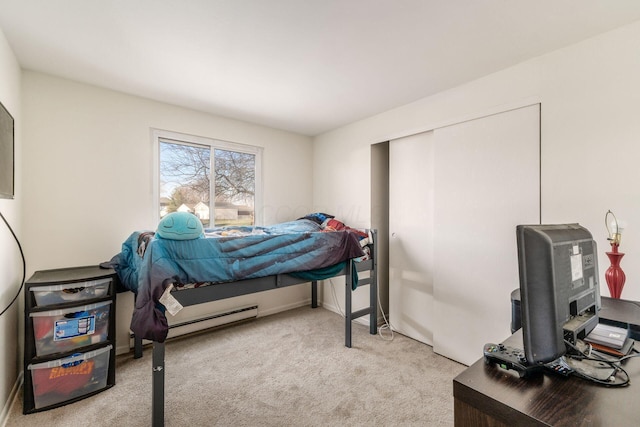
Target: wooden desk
486,395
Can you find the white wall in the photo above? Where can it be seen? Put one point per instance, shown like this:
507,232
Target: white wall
89,179
10,262
590,96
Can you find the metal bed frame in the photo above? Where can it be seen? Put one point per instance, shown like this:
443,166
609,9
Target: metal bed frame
220,291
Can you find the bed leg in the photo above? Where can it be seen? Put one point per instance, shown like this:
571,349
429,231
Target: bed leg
347,306
157,401
137,347
373,287
373,301
314,294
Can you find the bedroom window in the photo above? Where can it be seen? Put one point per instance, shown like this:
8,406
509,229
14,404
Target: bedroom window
217,181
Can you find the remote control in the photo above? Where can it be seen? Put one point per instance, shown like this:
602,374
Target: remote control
560,367
509,358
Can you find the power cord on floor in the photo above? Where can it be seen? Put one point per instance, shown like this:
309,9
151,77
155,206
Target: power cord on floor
386,326
24,266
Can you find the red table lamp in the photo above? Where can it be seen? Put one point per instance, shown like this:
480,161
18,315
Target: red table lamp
614,275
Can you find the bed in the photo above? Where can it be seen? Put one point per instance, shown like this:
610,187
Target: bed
204,265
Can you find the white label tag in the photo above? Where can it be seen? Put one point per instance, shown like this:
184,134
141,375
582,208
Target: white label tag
576,267
170,303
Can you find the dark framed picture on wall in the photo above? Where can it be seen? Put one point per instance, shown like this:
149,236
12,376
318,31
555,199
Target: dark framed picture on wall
7,159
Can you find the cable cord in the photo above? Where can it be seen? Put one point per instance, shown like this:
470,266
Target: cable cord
618,369
335,299
386,326
629,356
24,266
590,355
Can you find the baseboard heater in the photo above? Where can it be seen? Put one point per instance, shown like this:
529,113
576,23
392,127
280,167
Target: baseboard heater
207,322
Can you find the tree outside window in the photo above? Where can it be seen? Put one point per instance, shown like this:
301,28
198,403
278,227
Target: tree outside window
186,171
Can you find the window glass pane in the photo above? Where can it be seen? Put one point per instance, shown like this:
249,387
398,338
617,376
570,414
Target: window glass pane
235,183
187,166
185,186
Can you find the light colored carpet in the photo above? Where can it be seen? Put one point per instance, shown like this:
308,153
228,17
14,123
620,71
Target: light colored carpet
288,369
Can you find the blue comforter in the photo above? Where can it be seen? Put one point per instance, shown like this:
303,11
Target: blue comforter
225,255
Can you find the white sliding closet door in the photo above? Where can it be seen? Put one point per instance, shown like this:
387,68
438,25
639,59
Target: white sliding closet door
411,175
487,180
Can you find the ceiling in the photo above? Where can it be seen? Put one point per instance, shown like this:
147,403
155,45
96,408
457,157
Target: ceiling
306,66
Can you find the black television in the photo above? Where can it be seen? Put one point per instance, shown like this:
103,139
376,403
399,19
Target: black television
559,288
6,154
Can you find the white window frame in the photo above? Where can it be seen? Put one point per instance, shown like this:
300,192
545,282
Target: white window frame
158,134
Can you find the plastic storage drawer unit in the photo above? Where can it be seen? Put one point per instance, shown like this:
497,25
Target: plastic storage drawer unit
64,379
67,329
70,292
